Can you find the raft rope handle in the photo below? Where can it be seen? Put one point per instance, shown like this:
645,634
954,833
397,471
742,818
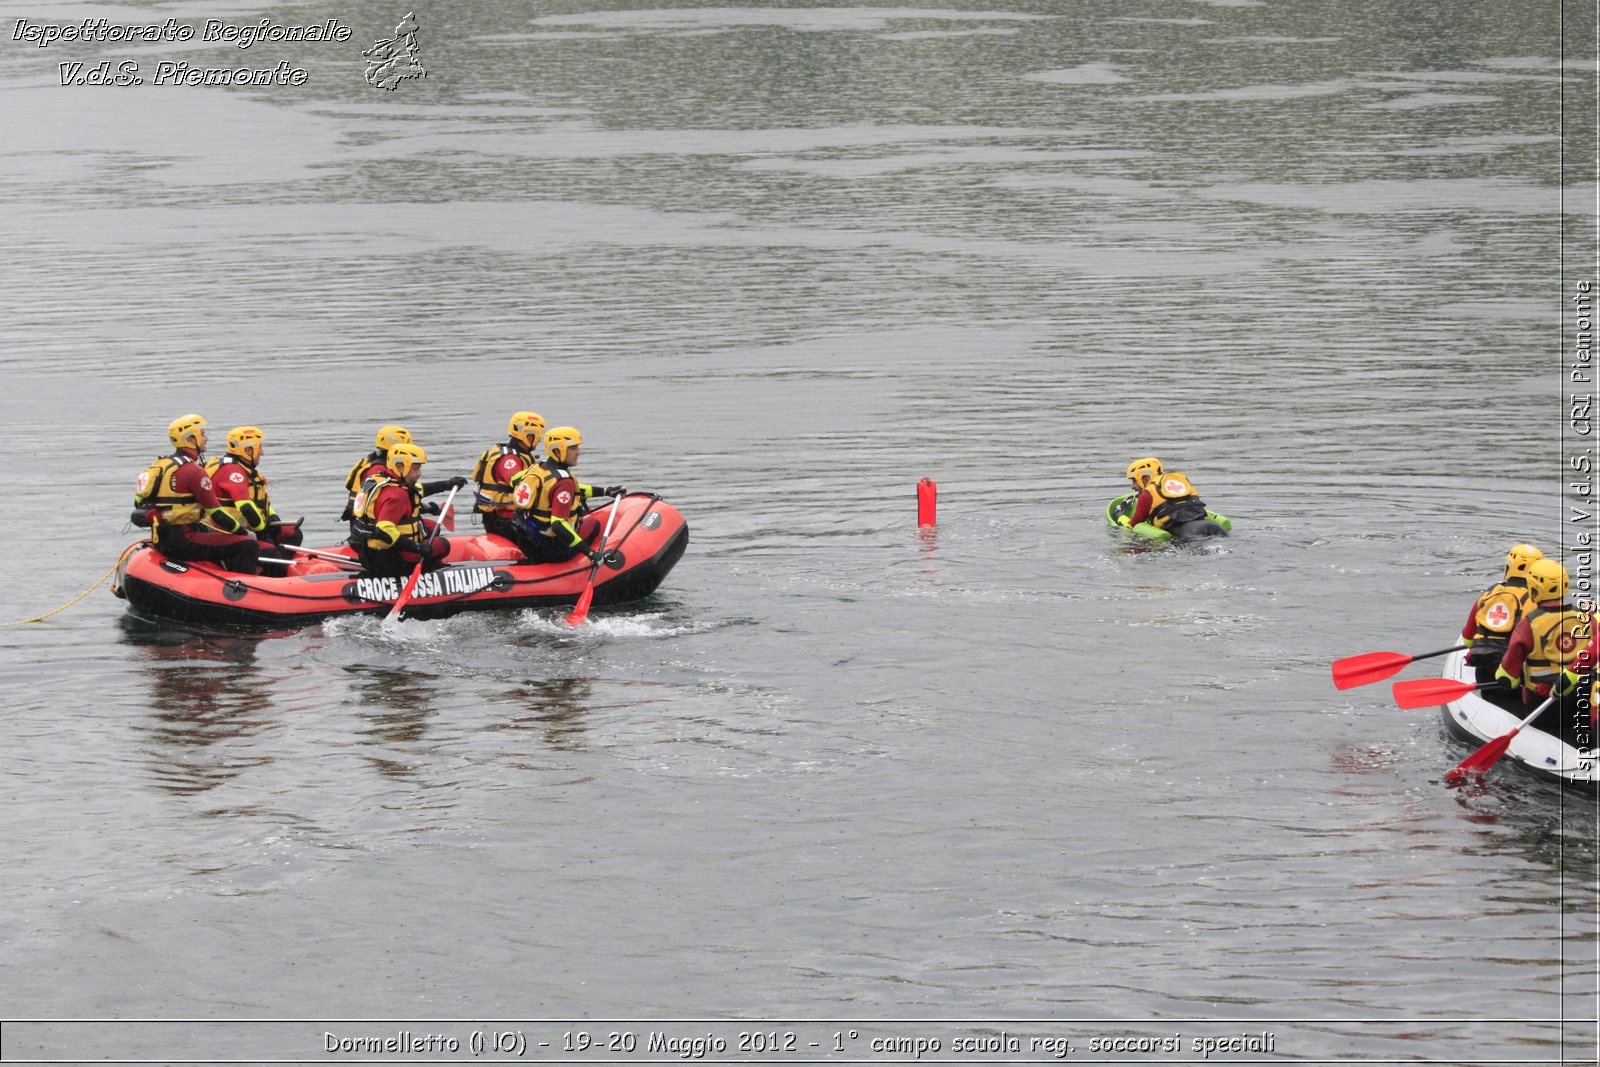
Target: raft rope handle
120,560
636,522
616,544
234,577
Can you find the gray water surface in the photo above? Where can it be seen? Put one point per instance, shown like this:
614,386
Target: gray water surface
778,263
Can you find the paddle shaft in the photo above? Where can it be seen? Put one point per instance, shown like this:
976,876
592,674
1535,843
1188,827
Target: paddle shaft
427,548
347,564
448,501
1534,714
1487,756
319,553
280,524
581,612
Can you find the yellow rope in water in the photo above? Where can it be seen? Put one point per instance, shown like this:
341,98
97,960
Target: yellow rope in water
80,596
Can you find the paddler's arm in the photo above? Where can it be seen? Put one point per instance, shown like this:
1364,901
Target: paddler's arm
430,488
193,480
1588,657
392,506
388,531
1470,630
561,520
1510,669
232,487
1582,664
566,533
1141,509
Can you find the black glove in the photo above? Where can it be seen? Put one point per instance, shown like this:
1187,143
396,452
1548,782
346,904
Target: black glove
595,556
458,482
250,514
140,518
614,490
224,520
431,508
406,544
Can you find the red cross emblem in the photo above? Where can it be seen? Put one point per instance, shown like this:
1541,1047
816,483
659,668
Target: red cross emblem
1498,617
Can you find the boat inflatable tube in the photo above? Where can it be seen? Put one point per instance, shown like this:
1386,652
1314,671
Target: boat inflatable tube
1478,720
482,572
1213,525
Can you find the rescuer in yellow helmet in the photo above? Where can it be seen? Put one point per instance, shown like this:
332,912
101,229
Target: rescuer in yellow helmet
236,476
1495,615
1166,498
367,466
550,502
390,533
1546,646
1139,472
498,465
175,498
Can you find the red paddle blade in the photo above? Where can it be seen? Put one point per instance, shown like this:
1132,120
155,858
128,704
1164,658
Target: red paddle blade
405,594
581,612
1365,669
1429,692
1480,761
448,519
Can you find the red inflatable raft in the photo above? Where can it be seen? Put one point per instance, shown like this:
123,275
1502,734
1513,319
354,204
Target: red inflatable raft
483,571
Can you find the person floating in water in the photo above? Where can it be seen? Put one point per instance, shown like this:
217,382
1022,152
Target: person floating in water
1167,500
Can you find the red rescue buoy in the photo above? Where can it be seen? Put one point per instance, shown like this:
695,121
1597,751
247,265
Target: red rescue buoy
927,502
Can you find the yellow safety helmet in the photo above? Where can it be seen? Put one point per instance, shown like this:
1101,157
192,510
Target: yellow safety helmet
1547,580
1150,467
246,441
559,442
527,427
406,457
1518,558
187,431
389,436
